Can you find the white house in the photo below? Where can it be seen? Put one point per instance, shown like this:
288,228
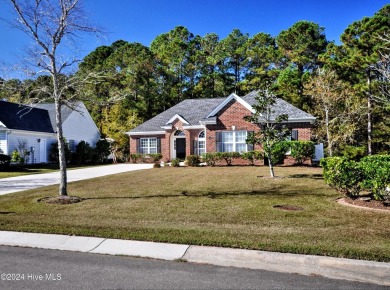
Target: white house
35,127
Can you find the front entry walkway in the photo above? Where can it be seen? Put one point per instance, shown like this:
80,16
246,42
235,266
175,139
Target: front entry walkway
21,183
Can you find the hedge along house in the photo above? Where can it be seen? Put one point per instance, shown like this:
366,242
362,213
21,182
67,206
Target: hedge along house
197,126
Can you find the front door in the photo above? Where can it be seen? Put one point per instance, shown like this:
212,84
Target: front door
181,148
42,151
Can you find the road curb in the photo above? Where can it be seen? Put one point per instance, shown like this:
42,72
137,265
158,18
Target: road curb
335,268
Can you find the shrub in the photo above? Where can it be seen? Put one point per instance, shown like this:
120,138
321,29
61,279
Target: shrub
252,156
279,152
302,150
156,165
228,156
343,174
192,160
175,162
84,153
102,150
376,171
53,153
210,158
156,157
4,161
134,157
20,158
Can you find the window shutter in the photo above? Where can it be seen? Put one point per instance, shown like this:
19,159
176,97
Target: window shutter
218,141
294,135
250,146
137,142
158,145
196,152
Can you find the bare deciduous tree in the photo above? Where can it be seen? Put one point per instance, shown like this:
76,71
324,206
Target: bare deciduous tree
54,27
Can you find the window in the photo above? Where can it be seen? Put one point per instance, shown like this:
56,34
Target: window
201,143
234,141
148,146
72,145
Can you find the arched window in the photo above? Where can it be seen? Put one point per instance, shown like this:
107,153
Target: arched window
201,143
179,133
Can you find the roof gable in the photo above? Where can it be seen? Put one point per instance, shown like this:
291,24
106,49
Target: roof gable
232,96
180,118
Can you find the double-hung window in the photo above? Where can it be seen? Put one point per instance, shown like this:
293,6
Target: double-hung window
234,141
201,143
148,145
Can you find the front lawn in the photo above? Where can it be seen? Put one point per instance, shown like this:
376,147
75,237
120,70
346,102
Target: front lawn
220,206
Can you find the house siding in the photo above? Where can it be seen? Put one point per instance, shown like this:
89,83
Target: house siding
32,141
79,126
3,143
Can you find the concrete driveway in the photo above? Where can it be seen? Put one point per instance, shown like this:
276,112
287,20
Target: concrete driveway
21,183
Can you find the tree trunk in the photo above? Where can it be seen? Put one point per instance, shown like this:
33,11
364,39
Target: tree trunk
270,165
327,132
60,137
369,118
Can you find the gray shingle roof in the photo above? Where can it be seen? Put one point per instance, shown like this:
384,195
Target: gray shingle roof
195,110
19,117
50,107
281,107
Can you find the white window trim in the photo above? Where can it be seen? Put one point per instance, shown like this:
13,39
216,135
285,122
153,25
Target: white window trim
203,139
148,147
234,143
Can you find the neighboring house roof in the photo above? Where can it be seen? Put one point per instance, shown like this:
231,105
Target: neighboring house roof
20,117
50,107
195,111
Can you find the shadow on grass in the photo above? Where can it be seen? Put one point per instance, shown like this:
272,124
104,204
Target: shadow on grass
311,176
212,195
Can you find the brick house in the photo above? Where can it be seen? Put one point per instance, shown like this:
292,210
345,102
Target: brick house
196,126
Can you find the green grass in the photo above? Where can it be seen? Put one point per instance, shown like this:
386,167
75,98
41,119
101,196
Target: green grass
221,206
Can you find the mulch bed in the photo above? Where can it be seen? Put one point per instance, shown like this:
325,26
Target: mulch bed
61,199
375,204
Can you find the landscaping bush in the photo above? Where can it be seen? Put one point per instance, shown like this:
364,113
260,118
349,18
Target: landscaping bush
279,152
53,153
343,174
376,171
228,157
4,161
252,156
302,150
135,157
192,160
156,157
102,150
210,158
84,153
175,162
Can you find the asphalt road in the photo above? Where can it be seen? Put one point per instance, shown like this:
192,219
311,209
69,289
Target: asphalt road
26,268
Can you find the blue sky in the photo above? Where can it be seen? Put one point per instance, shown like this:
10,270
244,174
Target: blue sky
142,20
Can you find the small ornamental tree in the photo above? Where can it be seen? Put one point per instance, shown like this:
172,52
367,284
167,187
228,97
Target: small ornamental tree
271,130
